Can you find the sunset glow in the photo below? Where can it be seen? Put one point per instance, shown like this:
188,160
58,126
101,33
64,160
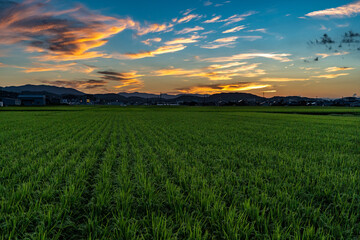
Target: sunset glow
194,47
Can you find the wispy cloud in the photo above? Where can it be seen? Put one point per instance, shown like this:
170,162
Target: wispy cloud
237,18
208,32
282,57
191,39
215,72
189,30
343,25
221,42
188,11
226,40
218,45
325,55
347,10
262,30
119,76
44,67
284,79
337,69
230,20
159,51
322,27
235,29
150,40
331,75
223,88
222,4
154,28
251,38
188,18
213,20
208,3
227,65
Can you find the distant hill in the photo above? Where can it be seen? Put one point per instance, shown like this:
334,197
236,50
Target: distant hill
235,97
138,94
149,95
291,98
43,88
111,97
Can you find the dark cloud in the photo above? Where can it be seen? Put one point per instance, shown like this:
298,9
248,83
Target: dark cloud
81,84
68,34
118,76
126,80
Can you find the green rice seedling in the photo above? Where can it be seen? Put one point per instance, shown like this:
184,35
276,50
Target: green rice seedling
180,173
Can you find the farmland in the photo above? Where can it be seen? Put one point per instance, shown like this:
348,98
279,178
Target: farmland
179,173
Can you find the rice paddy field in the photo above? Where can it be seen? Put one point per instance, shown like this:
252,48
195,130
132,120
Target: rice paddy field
179,173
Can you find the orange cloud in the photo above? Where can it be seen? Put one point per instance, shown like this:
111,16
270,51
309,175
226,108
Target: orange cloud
69,37
222,88
128,81
50,68
336,69
284,79
331,75
347,10
148,41
66,35
325,55
160,50
130,85
208,72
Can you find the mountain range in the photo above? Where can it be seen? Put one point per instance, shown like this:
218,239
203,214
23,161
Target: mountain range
138,97
43,88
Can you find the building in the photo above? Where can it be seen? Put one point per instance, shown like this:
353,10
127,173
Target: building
10,101
33,100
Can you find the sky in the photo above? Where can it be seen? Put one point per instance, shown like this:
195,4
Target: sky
270,48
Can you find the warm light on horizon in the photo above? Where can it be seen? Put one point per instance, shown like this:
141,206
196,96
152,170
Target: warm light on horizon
313,51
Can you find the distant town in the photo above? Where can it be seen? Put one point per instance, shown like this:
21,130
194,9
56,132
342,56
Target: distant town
42,95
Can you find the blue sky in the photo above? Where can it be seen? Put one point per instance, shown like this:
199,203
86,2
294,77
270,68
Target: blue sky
183,47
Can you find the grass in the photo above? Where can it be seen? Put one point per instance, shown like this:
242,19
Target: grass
179,173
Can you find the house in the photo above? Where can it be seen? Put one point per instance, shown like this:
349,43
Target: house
33,100
1,104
